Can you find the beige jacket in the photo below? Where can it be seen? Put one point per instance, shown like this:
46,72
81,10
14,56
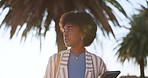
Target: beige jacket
94,66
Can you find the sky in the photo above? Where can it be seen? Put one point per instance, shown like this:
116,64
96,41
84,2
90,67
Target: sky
25,59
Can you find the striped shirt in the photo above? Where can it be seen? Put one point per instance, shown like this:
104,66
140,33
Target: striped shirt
94,65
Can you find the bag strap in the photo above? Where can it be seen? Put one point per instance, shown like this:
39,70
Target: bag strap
57,64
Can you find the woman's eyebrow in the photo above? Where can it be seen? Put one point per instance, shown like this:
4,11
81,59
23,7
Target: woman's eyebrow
70,26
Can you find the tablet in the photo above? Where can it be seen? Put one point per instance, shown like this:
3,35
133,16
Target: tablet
110,74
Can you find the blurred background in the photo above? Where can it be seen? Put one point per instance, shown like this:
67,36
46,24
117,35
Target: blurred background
29,35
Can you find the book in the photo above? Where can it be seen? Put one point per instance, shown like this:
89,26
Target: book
110,74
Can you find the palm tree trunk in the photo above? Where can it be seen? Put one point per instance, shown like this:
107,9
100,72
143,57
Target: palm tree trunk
141,63
59,36
60,42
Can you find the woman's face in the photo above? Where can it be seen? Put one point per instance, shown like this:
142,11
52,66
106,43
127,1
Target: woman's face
72,35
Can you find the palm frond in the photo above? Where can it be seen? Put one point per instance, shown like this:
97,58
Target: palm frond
32,12
134,45
38,14
118,6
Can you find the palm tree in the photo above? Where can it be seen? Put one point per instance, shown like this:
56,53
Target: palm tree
135,44
32,12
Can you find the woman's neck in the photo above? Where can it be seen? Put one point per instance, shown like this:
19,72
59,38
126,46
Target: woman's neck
77,50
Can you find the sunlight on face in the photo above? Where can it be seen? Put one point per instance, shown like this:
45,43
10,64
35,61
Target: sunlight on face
25,60
72,35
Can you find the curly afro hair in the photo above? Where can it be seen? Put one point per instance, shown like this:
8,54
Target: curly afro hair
84,21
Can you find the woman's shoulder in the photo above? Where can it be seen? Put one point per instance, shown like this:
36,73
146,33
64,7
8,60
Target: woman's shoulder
94,56
60,53
64,51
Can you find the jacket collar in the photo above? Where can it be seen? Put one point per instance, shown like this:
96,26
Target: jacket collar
89,62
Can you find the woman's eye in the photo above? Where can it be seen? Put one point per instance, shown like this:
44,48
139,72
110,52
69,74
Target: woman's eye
69,30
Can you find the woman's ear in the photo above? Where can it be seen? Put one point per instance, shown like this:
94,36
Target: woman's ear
83,35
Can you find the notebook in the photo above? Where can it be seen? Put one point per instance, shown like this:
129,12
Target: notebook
110,74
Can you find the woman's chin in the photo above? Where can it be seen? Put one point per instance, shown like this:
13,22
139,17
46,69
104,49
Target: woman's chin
67,45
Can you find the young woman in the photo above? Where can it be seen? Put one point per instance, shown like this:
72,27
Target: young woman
79,31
